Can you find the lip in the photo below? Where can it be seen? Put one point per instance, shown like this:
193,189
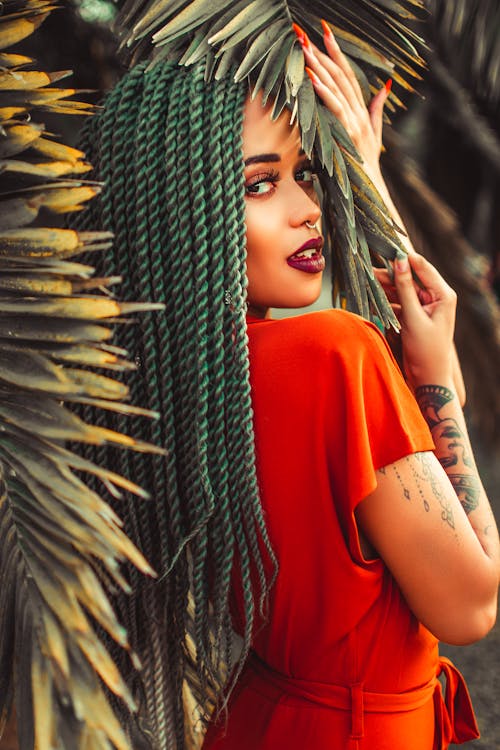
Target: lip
316,242
314,264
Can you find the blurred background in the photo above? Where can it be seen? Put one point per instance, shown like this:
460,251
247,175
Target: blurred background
442,161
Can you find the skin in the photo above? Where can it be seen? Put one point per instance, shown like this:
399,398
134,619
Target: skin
280,197
336,84
428,518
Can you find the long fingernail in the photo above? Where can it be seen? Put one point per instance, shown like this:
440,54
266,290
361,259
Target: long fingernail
302,37
388,85
312,75
326,28
299,31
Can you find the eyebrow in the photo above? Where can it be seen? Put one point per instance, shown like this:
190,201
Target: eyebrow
262,158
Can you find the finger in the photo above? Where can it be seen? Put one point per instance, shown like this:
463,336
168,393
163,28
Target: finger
437,297
329,75
405,288
338,56
376,110
338,77
383,276
386,282
433,296
330,99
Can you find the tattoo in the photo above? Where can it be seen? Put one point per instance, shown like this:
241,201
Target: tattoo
417,478
431,399
452,447
427,474
423,476
468,490
406,491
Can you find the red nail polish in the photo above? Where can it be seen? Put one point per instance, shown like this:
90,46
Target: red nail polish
388,85
299,31
312,75
302,36
326,28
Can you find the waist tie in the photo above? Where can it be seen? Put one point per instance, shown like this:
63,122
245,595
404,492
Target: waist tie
455,718
455,721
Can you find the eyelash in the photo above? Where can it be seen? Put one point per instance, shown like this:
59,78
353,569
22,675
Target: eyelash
273,177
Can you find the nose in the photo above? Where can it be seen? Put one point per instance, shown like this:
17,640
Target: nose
303,209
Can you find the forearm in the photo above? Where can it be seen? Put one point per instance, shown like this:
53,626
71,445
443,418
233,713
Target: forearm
441,409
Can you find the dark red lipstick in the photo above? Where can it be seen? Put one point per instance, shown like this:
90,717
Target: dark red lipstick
308,257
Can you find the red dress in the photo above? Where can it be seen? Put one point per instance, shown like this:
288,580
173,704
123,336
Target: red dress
341,661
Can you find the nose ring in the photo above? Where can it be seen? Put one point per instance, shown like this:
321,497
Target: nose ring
312,226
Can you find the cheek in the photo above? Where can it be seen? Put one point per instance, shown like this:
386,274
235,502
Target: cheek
262,234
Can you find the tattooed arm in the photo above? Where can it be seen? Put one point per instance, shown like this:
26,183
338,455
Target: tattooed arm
429,517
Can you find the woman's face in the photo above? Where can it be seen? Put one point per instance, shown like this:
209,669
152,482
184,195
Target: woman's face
284,259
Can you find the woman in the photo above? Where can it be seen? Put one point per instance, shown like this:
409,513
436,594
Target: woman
344,553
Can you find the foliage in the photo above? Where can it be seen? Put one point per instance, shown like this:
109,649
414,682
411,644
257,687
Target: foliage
253,41
469,37
61,545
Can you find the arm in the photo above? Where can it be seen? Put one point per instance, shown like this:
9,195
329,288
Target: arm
441,542
445,418
431,522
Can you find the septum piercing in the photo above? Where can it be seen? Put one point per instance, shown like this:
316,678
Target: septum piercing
311,226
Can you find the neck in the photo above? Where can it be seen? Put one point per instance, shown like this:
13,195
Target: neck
258,312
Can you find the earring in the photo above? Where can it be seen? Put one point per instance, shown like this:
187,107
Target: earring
228,297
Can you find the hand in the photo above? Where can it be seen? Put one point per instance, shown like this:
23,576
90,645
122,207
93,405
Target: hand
426,312
336,84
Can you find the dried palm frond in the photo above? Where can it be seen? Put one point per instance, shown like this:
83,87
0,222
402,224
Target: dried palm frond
436,233
464,71
253,39
61,545
468,37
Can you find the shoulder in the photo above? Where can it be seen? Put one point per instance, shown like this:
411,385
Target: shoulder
324,333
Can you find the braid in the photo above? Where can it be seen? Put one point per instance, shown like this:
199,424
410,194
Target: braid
180,239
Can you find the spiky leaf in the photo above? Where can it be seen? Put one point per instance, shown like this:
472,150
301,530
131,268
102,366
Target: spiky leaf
61,545
256,40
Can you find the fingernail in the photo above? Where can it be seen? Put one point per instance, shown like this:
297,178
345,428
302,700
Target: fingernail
401,265
302,37
312,75
299,31
388,85
326,29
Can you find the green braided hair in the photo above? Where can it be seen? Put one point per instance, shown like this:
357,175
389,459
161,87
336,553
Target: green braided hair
168,147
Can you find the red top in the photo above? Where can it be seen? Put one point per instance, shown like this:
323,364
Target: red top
330,407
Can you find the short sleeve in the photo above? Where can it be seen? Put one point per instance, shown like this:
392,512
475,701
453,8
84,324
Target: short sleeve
374,419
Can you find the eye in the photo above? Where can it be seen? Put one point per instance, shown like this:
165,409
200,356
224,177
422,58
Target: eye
305,174
262,184
259,188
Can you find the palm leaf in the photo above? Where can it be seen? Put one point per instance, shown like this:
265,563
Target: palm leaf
255,40
61,544
469,39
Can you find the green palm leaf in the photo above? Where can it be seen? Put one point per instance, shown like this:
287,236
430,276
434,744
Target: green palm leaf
255,40
61,545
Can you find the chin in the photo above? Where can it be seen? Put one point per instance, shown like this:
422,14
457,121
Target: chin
297,301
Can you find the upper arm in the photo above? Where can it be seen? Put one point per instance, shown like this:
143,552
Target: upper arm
419,528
